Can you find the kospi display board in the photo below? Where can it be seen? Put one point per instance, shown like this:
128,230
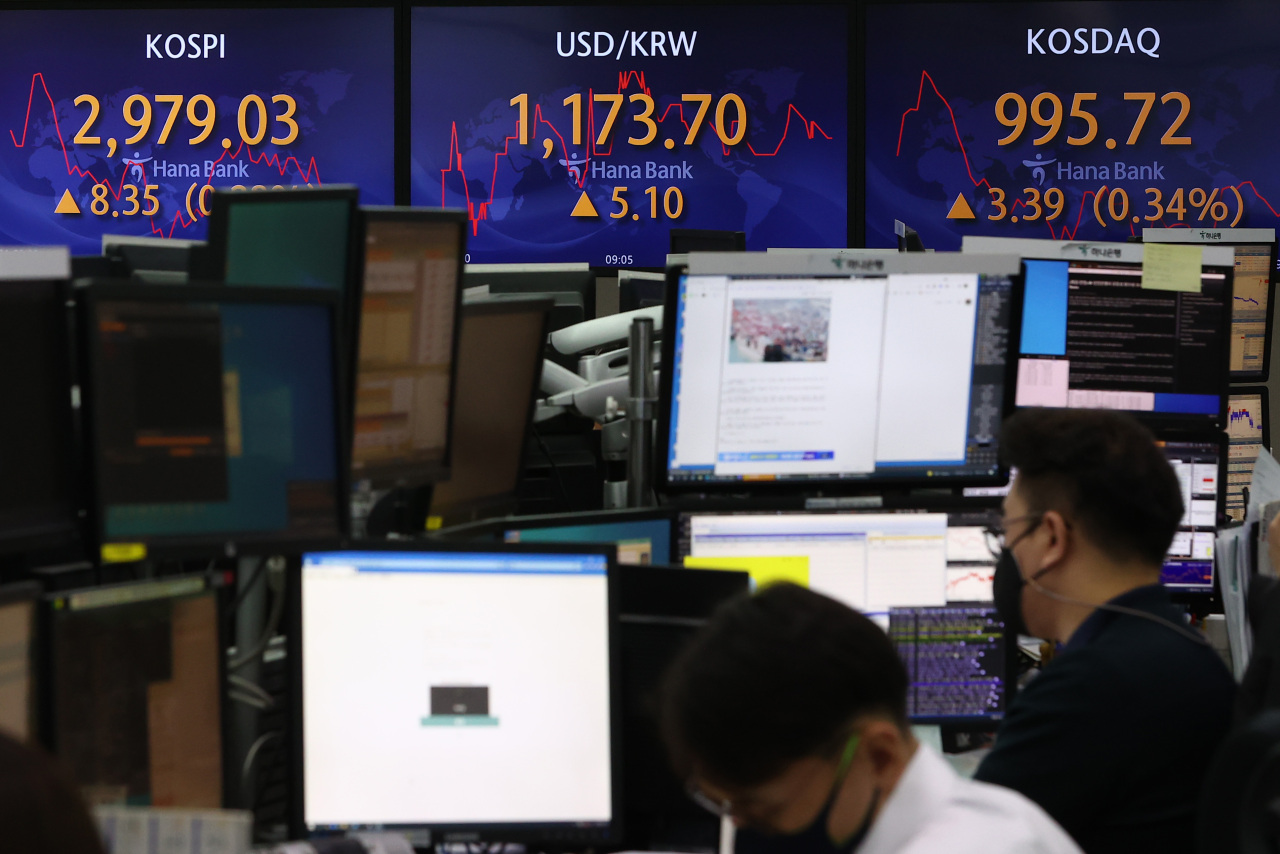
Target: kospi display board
1070,120
117,121
582,133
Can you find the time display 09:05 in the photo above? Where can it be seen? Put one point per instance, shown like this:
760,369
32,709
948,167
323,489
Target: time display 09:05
253,119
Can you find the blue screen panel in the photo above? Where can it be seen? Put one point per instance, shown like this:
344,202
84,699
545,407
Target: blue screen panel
577,187
251,77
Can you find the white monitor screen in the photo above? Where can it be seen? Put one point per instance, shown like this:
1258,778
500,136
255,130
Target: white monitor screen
457,689
888,377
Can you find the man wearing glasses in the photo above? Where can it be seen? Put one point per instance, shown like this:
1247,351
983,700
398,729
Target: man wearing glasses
1114,736
788,714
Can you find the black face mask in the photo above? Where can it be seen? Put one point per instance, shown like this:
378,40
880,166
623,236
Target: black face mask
813,839
1006,589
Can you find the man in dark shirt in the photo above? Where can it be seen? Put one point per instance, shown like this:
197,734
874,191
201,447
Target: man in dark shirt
1114,736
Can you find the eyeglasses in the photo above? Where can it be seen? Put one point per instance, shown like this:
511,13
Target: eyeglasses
727,808
996,533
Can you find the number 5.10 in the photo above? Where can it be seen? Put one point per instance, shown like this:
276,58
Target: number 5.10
672,203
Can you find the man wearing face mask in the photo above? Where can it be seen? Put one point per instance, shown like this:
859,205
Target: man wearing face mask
1114,736
787,713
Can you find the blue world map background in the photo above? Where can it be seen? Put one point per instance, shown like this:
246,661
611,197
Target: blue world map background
797,73
1223,56
330,64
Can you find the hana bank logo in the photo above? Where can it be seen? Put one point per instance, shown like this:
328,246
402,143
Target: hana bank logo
1037,168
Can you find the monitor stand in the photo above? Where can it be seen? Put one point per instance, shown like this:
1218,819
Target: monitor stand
402,511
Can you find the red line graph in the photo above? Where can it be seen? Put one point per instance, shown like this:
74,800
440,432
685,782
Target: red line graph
1065,233
476,212
269,158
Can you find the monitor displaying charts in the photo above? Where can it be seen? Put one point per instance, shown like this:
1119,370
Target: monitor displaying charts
1253,289
1246,438
1188,567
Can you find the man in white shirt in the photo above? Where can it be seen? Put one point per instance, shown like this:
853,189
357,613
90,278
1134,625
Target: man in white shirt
787,713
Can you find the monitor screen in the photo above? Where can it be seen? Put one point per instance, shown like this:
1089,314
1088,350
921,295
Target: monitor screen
214,417
118,121
959,660
1188,566
18,673
408,334
1246,438
1083,121
1255,263
493,673
136,689
806,377
582,138
38,498
639,541
869,561
284,238
499,364
1096,335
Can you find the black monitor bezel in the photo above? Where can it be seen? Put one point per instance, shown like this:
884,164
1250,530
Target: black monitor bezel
441,513
233,543
418,474
51,604
223,199
498,528
69,528
773,489
559,834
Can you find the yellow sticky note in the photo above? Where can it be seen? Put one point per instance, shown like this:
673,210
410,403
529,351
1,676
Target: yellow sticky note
1172,267
123,552
763,570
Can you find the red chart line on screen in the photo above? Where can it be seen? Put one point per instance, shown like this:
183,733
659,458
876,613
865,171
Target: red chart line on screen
309,174
625,78
1065,233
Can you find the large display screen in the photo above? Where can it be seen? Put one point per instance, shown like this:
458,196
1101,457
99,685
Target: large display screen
115,121
585,134
1081,120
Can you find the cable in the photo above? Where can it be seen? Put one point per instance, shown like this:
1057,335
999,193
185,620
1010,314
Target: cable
253,689
268,632
1121,609
247,700
555,469
258,571
250,757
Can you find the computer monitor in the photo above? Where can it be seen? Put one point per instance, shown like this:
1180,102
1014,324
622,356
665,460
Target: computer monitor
908,238
962,663
1247,420
685,240
499,365
1095,336
872,561
408,338
638,289
1199,464
136,691
301,237
19,679
213,417
641,538
494,671
660,610
793,372
1253,287
566,283
39,465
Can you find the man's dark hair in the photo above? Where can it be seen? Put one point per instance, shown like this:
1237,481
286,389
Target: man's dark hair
774,678
1103,470
40,807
